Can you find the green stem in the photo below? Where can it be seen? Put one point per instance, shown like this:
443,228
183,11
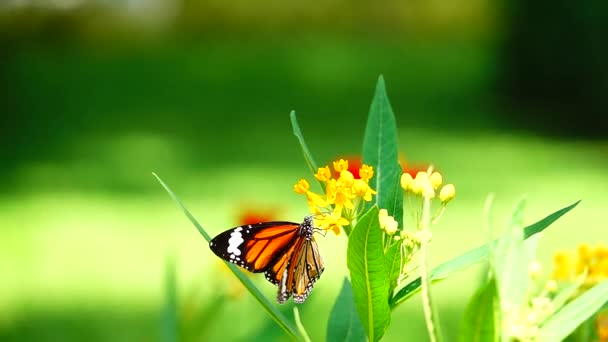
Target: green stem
303,333
430,316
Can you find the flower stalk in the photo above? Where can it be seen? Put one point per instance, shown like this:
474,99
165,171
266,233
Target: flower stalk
430,316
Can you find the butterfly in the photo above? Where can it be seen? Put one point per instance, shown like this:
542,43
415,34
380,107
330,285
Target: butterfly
285,251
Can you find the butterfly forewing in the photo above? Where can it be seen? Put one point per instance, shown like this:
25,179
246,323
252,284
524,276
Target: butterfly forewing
254,246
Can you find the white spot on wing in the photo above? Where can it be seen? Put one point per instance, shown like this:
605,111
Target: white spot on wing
236,239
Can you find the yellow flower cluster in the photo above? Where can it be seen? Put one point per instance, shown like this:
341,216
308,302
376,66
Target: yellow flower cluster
425,185
343,196
594,260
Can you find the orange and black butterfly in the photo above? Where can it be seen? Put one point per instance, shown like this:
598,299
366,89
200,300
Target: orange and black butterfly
285,251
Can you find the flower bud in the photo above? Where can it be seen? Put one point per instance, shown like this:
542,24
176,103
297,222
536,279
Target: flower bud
436,179
346,178
447,193
341,165
301,187
406,181
323,174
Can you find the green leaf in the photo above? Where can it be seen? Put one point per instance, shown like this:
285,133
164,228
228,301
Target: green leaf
565,294
563,323
344,323
392,263
481,320
511,261
170,321
365,260
310,161
474,256
381,150
275,314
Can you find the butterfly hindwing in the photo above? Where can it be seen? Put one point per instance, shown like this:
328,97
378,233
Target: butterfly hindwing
255,246
308,269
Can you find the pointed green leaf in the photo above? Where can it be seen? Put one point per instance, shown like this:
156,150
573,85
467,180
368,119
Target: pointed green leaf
310,161
381,150
481,322
275,314
344,323
511,262
474,256
365,261
392,261
563,323
565,294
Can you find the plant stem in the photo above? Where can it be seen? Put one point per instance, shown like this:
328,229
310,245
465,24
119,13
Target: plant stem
430,317
304,335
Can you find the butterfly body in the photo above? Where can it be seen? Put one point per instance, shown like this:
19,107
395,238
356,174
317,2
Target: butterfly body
285,251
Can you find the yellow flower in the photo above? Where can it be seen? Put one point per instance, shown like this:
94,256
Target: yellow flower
563,266
602,326
341,188
417,186
586,258
366,173
406,181
323,174
343,198
362,189
422,186
341,165
314,200
346,179
436,179
447,193
339,192
334,221
422,176
387,223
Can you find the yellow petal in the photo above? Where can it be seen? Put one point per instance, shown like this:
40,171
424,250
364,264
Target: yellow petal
360,187
368,194
316,199
301,186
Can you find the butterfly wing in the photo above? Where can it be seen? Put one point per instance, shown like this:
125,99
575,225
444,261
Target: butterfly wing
257,246
285,251
304,267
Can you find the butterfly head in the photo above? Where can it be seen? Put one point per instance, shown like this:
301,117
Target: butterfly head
307,227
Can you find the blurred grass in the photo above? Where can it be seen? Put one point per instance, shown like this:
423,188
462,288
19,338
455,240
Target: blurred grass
85,229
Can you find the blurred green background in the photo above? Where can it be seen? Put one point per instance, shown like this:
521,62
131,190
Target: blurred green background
502,96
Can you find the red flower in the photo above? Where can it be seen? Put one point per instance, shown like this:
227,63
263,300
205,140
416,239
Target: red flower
252,215
355,162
